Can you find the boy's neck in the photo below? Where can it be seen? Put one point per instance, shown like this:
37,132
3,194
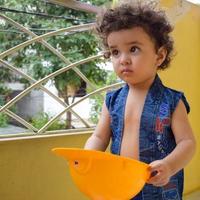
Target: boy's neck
142,86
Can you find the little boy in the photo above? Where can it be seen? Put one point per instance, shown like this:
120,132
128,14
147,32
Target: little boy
146,120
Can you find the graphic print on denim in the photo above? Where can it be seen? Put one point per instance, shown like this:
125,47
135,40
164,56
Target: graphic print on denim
155,131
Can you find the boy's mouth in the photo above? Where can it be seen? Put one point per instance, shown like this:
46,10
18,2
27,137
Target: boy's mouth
125,71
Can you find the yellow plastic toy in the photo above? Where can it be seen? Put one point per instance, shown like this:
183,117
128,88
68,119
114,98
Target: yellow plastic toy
104,176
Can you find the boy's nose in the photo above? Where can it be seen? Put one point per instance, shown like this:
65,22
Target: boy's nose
125,59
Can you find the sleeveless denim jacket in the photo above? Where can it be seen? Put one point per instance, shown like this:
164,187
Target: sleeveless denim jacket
156,139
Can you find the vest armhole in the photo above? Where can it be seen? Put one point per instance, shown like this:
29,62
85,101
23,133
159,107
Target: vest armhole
108,99
181,96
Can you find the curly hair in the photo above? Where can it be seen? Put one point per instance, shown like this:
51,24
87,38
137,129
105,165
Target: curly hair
154,23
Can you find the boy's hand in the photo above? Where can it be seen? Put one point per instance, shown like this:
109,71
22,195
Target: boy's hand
160,173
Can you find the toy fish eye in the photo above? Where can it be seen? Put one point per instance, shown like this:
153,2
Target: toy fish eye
76,162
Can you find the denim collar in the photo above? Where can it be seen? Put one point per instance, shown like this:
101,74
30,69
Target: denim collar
154,94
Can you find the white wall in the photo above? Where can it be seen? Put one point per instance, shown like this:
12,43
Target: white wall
52,107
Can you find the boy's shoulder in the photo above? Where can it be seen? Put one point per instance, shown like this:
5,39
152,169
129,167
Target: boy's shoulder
116,92
172,91
111,96
174,96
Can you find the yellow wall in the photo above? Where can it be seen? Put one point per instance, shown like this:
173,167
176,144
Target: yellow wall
30,171
184,74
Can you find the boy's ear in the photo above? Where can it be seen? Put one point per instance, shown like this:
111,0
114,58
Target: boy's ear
162,53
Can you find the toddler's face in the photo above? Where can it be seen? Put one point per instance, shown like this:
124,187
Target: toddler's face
133,55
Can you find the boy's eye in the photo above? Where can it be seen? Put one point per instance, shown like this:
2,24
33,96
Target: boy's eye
114,52
134,49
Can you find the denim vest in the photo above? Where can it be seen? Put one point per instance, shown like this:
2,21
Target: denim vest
156,139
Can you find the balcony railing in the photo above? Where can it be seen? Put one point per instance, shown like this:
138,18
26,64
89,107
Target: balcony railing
39,83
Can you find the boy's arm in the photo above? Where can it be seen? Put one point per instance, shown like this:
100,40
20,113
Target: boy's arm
183,152
185,140
101,136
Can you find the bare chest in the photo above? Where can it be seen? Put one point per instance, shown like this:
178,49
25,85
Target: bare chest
132,116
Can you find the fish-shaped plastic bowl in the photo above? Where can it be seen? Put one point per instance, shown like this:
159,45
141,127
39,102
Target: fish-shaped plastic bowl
104,176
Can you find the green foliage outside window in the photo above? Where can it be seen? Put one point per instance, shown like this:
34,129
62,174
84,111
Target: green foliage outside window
42,118
37,61
4,94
